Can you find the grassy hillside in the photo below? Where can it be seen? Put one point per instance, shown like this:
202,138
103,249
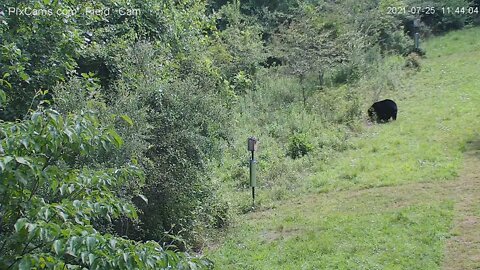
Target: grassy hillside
438,115
383,202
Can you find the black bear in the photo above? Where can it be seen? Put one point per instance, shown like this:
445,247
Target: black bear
382,111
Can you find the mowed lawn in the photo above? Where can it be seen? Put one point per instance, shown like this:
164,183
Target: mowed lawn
387,203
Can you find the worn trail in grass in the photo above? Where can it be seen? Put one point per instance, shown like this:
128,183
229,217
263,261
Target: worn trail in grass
405,196
463,248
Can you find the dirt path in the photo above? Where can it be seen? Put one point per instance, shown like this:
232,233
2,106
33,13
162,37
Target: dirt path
463,248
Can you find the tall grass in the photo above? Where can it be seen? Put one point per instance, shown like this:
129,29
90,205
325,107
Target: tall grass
274,112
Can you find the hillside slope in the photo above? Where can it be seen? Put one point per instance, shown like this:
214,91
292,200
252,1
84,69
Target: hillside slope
391,201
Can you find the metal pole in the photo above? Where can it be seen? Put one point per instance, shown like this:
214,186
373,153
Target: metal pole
253,196
252,177
251,143
416,27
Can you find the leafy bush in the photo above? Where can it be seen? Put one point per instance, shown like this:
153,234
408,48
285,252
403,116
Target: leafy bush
298,146
48,208
172,129
187,124
237,50
37,51
413,61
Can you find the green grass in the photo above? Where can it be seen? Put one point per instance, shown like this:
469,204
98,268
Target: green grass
369,208
438,114
340,231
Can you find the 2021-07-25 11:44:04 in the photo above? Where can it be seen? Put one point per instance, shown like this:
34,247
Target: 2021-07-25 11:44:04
431,10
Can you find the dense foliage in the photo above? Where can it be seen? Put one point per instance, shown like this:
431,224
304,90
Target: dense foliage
127,65
49,207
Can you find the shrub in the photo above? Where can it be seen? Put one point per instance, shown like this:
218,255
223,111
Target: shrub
298,146
172,129
413,61
48,208
187,124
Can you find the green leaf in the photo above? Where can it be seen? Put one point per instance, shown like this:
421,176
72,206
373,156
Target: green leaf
21,177
63,189
46,214
84,256
25,264
91,242
24,76
77,204
71,188
73,246
69,134
116,137
91,258
113,243
57,247
4,163
127,119
23,161
3,98
24,142
7,159
9,85
134,161
20,224
63,215
35,116
145,199
55,116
